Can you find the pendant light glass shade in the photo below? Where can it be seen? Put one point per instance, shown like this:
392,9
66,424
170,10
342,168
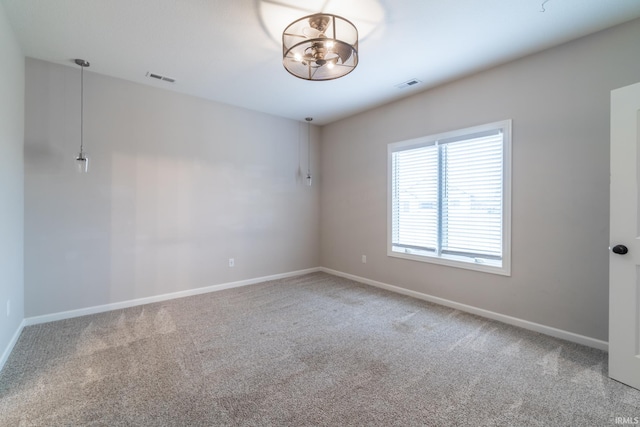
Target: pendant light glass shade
320,47
82,161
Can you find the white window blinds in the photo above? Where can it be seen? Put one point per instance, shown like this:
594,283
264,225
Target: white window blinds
415,198
472,197
447,196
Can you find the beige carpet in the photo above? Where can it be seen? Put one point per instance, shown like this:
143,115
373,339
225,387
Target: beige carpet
309,350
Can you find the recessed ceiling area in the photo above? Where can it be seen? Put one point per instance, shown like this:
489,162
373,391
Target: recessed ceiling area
230,52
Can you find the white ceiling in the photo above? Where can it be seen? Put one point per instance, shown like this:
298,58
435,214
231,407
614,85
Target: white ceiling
227,51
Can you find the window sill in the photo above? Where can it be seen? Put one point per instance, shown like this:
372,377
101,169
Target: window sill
484,265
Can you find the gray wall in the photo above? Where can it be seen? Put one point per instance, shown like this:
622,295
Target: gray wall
177,186
11,182
559,102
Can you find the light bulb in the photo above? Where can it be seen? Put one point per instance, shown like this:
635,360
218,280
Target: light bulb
297,57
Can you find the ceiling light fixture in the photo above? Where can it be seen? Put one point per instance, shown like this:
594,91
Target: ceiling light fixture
320,47
82,161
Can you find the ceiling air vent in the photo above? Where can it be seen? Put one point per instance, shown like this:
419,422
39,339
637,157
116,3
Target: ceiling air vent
411,82
159,77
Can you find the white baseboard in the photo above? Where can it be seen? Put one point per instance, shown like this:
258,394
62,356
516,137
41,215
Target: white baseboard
12,343
158,298
525,324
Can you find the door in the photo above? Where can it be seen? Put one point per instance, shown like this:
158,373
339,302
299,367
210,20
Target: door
624,259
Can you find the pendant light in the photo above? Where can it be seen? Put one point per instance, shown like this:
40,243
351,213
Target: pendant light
308,119
82,161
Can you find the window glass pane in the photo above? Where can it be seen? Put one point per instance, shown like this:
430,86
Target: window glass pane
415,197
472,200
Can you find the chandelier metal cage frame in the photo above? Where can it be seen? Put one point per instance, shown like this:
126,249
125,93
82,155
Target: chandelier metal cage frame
320,47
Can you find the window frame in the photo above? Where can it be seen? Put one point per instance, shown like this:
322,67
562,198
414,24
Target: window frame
452,260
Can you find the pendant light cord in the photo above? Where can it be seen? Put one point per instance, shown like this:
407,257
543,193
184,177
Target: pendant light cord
309,148
81,110
308,119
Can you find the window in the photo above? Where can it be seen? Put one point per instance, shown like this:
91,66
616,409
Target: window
449,198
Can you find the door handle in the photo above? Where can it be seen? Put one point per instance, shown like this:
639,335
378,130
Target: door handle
620,249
